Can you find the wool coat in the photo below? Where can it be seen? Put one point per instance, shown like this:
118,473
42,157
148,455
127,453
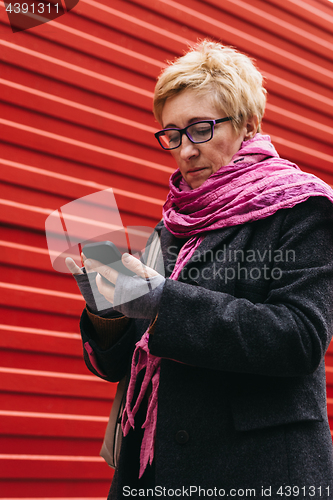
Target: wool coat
243,334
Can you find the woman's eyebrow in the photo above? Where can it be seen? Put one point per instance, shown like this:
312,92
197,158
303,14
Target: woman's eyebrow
198,119
170,125
191,120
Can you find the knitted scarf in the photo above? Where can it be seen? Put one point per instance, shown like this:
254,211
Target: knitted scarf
254,185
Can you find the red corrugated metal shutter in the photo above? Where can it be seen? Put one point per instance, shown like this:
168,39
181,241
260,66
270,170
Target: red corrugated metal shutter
75,118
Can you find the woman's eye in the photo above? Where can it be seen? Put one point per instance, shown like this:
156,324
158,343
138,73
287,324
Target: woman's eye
173,137
200,131
203,131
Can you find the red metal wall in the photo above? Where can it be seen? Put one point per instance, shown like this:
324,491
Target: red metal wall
75,118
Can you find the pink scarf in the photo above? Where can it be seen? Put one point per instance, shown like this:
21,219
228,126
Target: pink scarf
254,185
143,359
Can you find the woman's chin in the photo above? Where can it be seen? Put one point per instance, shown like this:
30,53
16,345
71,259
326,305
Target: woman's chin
195,181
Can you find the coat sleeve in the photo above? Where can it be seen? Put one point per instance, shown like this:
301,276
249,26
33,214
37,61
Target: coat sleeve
110,364
286,334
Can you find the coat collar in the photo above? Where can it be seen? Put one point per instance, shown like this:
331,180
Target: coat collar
219,237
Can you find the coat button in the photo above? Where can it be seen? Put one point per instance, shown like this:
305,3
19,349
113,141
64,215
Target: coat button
182,437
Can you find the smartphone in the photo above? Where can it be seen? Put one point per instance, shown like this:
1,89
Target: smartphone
107,253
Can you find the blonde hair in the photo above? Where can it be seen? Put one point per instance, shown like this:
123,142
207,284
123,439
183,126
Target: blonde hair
234,82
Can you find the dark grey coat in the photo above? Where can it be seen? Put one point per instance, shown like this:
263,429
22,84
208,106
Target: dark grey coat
243,333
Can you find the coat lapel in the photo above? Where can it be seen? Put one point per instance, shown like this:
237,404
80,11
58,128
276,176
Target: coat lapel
215,238
172,245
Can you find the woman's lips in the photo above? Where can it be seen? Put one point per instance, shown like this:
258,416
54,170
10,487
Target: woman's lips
196,171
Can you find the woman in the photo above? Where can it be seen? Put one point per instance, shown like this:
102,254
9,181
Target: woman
231,344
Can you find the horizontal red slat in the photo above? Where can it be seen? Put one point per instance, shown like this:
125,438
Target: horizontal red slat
34,169
311,11
31,359
51,60
330,407
17,316
306,122
49,135
88,404
154,28
72,111
296,89
301,150
329,375
70,489
41,446
78,31
28,424
280,78
62,55
215,22
39,382
33,217
50,103
47,292
38,300
52,467
32,213
282,24
53,183
61,284
23,255
40,340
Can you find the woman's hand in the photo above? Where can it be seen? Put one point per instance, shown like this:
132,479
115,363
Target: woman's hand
107,286
86,280
135,297
106,277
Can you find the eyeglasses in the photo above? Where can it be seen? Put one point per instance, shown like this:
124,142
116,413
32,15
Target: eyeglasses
198,132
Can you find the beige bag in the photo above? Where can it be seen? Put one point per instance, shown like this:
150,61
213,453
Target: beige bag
113,435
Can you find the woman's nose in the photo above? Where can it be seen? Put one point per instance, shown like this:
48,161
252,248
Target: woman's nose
188,149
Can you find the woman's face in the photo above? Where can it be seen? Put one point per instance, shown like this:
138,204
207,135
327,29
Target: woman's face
197,162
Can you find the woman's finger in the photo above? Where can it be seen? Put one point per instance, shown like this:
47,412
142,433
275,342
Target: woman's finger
83,259
106,271
73,268
135,265
105,288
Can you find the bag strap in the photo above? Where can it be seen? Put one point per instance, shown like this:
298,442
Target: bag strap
112,438
113,434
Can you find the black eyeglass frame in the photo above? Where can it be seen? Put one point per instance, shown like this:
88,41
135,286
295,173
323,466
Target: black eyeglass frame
184,131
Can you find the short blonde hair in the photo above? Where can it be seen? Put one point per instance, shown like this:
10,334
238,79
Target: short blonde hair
235,83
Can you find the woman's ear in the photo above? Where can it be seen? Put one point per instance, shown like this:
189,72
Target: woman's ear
251,126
